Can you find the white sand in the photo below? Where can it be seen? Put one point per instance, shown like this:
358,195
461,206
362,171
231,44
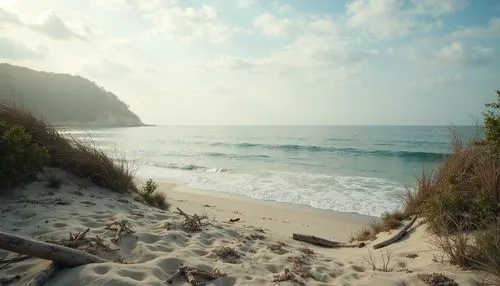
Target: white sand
153,253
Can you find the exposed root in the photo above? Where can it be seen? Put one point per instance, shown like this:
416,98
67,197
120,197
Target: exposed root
80,241
287,275
193,223
189,274
121,226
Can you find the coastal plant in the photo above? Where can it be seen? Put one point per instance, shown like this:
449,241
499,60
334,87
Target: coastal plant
492,123
70,154
486,251
150,194
385,263
21,158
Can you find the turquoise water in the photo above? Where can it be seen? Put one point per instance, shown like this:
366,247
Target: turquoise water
351,169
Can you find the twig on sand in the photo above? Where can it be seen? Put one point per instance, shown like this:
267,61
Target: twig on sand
189,274
80,241
193,223
121,226
396,237
324,242
287,275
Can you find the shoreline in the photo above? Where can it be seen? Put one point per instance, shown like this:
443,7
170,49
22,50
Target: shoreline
279,217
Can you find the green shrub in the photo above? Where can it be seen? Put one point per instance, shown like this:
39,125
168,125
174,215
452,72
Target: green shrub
473,210
150,194
492,123
20,158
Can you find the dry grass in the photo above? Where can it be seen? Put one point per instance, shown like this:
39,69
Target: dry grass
389,222
487,251
70,154
227,253
385,263
437,279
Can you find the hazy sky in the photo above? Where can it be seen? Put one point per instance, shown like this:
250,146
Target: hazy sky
269,62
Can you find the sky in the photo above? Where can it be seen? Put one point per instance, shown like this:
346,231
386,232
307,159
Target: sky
256,62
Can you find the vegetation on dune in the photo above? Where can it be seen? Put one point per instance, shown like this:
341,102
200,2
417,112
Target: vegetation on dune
28,144
460,200
20,158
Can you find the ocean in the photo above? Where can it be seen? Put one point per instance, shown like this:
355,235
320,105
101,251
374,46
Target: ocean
360,169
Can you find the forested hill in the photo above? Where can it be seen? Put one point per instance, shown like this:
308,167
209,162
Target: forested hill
64,99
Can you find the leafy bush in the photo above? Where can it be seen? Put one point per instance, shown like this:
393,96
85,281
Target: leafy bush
20,158
492,123
72,155
150,194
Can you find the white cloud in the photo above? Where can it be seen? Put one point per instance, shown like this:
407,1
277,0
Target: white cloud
106,69
391,18
246,3
11,49
271,25
8,17
186,24
456,52
438,7
444,79
489,31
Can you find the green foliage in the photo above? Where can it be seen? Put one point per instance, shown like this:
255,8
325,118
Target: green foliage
492,123
152,196
445,209
20,158
487,250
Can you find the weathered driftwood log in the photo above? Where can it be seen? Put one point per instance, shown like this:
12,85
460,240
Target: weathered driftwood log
396,237
324,242
42,277
64,256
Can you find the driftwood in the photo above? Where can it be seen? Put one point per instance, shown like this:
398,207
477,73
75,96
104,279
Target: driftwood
7,281
193,223
4,263
325,242
121,226
64,256
190,272
396,237
46,274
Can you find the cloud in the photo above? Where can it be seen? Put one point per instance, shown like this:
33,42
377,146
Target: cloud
14,50
8,17
187,24
444,79
271,25
456,52
492,30
52,25
246,3
438,7
221,89
392,18
107,69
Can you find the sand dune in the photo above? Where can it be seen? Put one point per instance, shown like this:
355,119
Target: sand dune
261,240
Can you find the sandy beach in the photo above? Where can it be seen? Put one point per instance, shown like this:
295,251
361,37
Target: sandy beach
260,240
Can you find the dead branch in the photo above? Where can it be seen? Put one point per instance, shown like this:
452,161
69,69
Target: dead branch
42,277
325,242
190,273
287,275
396,237
65,256
80,241
193,223
121,226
